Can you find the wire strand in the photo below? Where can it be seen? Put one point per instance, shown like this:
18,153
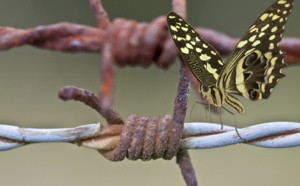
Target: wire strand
196,135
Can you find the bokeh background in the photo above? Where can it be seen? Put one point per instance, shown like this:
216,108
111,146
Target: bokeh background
31,77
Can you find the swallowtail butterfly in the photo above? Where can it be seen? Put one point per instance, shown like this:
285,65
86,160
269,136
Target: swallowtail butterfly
253,68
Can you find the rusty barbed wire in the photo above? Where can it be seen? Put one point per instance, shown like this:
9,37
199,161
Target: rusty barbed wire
134,43
90,99
141,138
167,146
180,104
70,37
179,112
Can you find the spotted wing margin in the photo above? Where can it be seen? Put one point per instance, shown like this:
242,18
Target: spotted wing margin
256,64
201,58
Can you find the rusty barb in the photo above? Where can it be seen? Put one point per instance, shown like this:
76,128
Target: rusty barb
141,137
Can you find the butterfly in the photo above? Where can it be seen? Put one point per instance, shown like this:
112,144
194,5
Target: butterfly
252,70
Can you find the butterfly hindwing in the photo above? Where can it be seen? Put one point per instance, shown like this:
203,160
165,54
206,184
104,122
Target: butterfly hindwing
201,58
256,64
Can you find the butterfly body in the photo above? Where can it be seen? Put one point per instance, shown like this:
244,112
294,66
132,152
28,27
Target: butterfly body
252,70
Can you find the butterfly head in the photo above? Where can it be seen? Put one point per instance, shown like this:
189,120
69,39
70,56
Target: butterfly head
212,94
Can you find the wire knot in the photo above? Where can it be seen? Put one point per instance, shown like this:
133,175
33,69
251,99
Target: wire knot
143,138
135,43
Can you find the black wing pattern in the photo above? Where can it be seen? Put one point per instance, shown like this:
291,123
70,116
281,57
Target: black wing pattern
201,58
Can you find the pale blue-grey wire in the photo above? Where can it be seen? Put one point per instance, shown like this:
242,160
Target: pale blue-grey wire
197,135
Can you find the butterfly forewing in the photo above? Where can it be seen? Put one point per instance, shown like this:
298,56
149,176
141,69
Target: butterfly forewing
256,64
201,58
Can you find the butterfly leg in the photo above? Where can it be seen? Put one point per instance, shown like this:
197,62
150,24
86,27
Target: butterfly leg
228,110
193,109
236,130
235,123
219,111
209,113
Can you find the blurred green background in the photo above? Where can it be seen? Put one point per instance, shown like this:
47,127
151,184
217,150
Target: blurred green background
30,78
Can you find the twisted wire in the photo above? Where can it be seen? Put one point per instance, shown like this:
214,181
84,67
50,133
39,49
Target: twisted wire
133,43
106,138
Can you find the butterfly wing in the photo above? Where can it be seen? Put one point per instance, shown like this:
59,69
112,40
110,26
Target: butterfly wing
256,64
201,58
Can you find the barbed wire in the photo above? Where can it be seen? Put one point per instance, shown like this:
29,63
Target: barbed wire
196,135
128,42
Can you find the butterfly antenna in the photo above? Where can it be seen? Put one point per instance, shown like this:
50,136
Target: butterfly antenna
193,109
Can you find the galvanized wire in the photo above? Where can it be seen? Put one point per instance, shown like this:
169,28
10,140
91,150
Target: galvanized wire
196,135
269,135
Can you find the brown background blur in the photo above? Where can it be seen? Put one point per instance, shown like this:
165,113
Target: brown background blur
30,78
